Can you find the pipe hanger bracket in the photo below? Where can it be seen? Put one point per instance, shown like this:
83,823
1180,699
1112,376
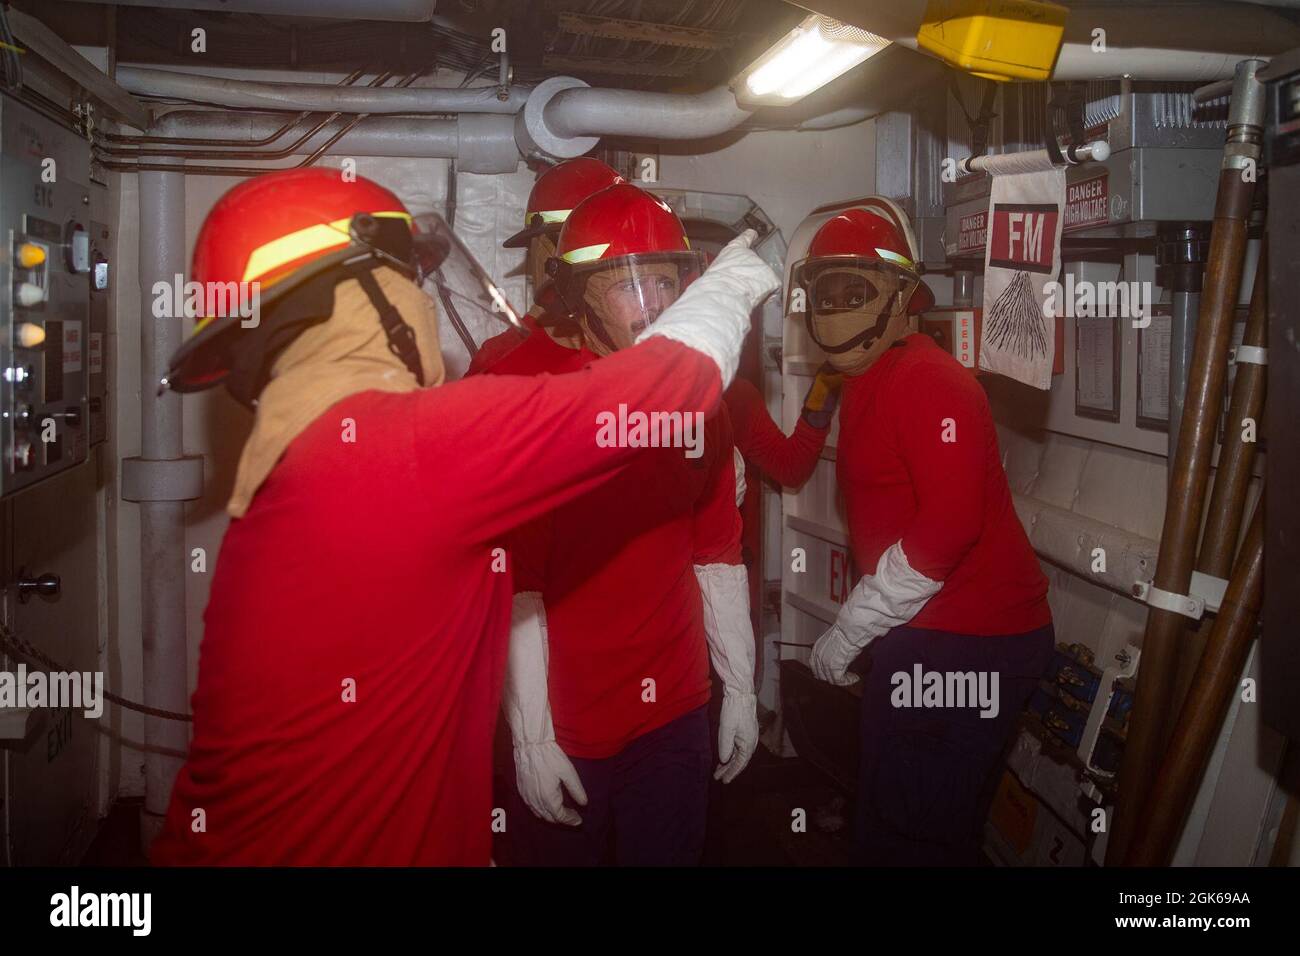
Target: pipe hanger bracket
1206,595
1249,355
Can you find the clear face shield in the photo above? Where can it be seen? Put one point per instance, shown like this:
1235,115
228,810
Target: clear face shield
472,302
853,307
618,299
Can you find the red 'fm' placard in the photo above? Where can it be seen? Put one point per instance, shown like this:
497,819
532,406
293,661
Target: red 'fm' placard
1023,237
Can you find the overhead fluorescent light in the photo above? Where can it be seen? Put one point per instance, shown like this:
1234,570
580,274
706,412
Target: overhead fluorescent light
807,58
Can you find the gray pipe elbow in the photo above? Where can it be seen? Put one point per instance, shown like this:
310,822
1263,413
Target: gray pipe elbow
564,117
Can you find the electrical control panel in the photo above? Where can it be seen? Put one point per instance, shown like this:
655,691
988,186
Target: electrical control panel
47,269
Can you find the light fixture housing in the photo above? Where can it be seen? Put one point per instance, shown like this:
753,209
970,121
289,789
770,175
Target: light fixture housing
807,58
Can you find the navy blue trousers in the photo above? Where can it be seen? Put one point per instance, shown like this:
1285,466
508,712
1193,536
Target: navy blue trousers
650,800
927,774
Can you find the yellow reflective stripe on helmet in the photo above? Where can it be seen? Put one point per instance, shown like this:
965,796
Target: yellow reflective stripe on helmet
586,253
296,245
547,215
895,257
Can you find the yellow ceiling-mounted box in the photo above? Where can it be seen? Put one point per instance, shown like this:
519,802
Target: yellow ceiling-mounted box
996,39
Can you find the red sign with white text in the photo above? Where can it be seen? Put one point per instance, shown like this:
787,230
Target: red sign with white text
1023,237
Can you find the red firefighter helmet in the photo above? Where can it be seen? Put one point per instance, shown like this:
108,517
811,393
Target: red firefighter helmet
622,258
279,230
875,231
557,192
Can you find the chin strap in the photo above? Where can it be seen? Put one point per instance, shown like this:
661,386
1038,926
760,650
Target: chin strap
866,337
597,328
401,337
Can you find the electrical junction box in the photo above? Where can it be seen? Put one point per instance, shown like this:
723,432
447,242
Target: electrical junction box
996,39
44,296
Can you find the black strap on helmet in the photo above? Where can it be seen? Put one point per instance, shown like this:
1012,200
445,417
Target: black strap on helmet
401,337
310,303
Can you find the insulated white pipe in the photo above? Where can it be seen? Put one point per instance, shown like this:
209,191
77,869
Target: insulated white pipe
1034,160
1079,62
398,136
590,111
1146,41
162,522
480,143
319,97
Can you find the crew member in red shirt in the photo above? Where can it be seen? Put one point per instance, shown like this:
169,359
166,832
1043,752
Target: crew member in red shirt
623,595
788,460
555,194
356,634
953,604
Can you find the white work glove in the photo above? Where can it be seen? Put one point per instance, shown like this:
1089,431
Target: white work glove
739,461
892,596
541,767
712,315
725,589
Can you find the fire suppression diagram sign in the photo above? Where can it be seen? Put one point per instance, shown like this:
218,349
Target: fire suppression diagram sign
1087,203
1018,335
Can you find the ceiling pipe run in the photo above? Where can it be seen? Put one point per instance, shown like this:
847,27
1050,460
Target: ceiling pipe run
413,11
318,97
564,117
480,143
560,118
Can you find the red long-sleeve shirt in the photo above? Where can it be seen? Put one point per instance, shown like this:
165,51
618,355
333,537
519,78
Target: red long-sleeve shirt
788,460
502,344
356,634
616,572
918,461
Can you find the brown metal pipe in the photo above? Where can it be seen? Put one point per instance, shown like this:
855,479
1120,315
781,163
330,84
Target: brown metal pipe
1227,510
1157,684
1237,457
1207,702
